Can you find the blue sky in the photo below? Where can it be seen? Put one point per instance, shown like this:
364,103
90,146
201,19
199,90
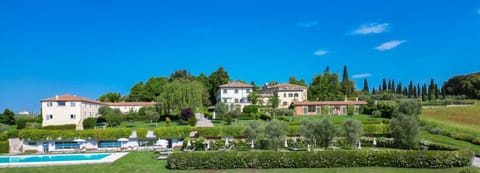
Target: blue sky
92,47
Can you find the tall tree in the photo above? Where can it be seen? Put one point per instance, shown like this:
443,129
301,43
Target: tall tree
444,91
389,86
137,93
217,78
7,117
293,80
399,88
415,91
325,87
384,84
153,87
181,74
181,94
253,131
365,86
253,97
419,91
424,92
275,132
431,90
110,97
325,131
347,85
410,89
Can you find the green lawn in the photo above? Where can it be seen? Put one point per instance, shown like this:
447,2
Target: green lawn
449,141
465,119
144,162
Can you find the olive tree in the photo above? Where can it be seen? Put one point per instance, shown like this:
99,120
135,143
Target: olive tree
353,130
253,131
325,131
275,132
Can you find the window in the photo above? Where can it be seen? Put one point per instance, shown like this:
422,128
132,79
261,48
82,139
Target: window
61,104
319,111
67,145
49,117
236,100
32,143
49,104
296,95
305,110
284,94
284,103
311,108
236,91
109,144
344,110
290,95
72,104
73,116
357,110
224,91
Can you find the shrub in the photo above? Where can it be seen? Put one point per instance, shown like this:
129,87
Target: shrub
4,147
3,136
187,114
168,121
350,110
377,113
228,120
322,159
3,127
462,136
476,140
284,112
250,109
89,123
264,116
142,133
61,127
21,121
192,121
325,110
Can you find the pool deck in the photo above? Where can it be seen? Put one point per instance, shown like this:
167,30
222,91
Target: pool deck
109,159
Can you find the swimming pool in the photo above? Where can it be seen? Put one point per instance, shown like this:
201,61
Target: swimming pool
52,158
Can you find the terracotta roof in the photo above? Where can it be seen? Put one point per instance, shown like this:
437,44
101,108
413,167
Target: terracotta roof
68,97
236,84
130,103
289,86
330,103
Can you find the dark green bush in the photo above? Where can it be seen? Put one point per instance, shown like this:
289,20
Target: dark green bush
322,159
4,147
3,136
250,109
21,121
103,134
142,133
89,123
61,127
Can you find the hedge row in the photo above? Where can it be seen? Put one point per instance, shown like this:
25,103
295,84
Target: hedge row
61,127
222,131
4,147
321,159
181,132
105,134
142,133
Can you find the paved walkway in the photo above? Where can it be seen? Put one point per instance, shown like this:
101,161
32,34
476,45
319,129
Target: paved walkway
476,162
202,121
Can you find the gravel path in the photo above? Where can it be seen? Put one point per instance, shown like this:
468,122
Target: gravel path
476,162
202,121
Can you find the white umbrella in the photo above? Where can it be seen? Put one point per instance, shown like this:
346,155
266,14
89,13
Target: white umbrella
286,143
79,140
359,145
189,143
226,142
122,140
374,142
253,145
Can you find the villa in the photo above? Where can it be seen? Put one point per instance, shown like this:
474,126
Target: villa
334,107
287,93
72,109
234,93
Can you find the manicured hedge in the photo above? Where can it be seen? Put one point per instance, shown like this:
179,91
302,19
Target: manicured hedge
105,134
322,159
142,133
184,131
3,136
61,127
4,147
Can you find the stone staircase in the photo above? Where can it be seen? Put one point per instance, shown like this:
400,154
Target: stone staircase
202,121
15,145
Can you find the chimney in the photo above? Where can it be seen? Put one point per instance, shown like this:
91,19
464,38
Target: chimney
56,97
356,99
346,98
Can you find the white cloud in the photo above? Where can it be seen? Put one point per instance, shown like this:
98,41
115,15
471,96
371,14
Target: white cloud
389,45
372,28
308,24
363,75
320,52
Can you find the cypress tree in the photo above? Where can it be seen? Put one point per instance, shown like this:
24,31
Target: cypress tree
424,92
347,85
415,91
444,91
384,85
399,88
410,89
431,89
418,90
389,85
365,85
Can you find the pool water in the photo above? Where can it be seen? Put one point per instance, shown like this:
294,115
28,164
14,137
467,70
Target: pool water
52,158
